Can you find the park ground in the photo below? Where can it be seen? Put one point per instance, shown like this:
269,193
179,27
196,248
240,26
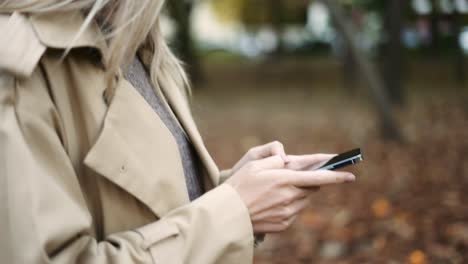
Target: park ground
409,203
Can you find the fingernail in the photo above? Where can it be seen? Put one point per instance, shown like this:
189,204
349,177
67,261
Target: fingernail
350,177
286,158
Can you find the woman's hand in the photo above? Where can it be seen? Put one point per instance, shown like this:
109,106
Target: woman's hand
308,162
260,152
275,193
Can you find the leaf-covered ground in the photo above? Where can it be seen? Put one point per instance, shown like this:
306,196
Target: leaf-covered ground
410,201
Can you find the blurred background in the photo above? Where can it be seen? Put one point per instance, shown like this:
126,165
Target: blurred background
330,75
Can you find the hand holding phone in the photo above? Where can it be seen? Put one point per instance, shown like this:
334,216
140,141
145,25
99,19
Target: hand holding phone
344,159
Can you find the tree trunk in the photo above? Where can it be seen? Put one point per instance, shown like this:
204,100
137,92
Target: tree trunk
349,70
184,45
277,14
368,71
348,65
460,64
393,60
435,36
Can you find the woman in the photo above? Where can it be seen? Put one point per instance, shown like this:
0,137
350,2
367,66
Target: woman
100,166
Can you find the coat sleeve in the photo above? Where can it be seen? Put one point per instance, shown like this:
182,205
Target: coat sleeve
44,217
224,175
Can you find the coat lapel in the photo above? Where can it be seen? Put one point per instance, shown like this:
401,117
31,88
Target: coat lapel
138,153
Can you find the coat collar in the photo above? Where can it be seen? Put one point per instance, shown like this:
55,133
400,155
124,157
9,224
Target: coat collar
61,30
26,38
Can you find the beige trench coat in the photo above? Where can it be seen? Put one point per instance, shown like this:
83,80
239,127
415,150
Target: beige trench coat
85,181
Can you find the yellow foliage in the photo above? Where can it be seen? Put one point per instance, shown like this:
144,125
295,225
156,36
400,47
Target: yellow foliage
228,10
381,208
254,13
417,257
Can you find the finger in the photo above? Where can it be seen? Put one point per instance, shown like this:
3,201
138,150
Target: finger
282,204
273,162
267,228
273,227
296,207
277,148
311,189
271,149
292,219
315,178
308,162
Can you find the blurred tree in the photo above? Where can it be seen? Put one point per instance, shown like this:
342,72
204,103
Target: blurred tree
347,59
447,42
278,16
349,67
228,11
435,36
255,14
460,64
393,50
367,69
180,11
258,13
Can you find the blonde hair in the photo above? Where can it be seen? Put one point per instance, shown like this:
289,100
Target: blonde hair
128,26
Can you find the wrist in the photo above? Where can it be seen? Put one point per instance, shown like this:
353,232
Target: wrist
224,175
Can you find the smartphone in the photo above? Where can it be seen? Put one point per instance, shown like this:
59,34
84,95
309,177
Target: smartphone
344,159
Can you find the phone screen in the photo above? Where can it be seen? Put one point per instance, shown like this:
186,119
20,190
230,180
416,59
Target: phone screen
344,159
